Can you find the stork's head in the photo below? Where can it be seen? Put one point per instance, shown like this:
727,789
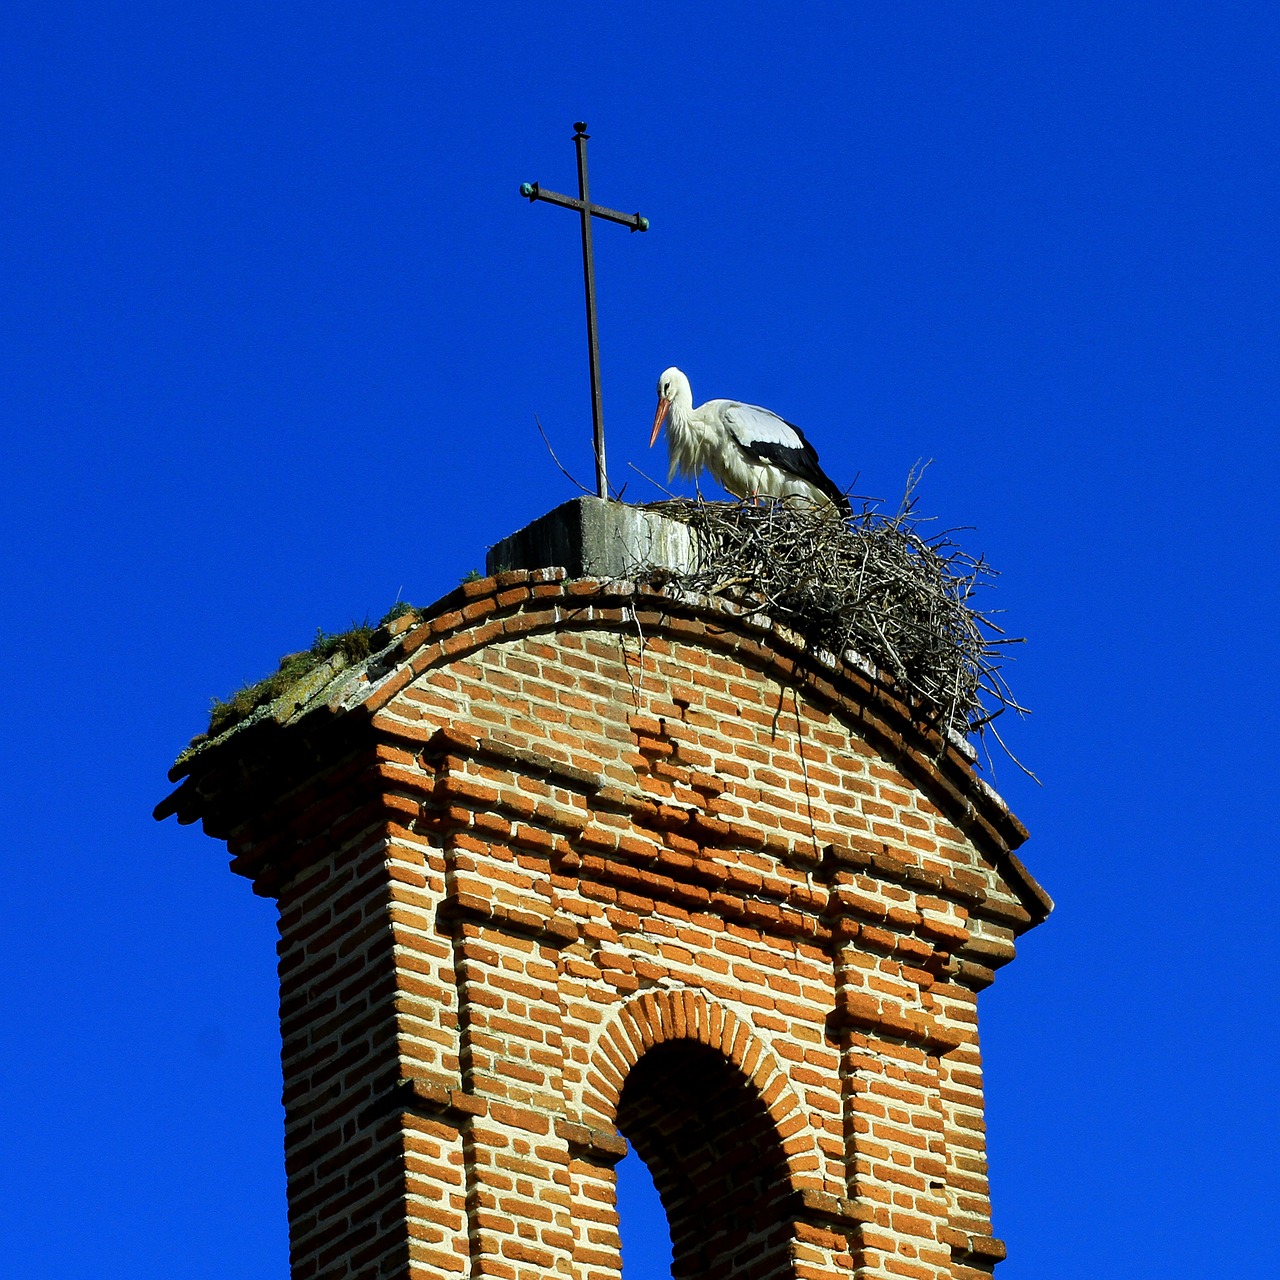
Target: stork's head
672,386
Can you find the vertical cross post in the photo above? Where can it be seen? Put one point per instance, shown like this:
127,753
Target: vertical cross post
583,206
593,335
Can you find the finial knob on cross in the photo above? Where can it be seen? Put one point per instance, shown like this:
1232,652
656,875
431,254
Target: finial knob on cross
532,192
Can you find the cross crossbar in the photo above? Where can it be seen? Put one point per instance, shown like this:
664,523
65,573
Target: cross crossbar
636,221
533,192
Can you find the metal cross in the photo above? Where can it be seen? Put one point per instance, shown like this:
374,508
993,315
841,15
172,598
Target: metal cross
532,191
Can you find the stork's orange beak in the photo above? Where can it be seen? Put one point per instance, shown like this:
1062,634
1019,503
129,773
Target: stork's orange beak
663,406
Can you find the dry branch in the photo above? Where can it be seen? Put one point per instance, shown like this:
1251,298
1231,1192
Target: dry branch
873,583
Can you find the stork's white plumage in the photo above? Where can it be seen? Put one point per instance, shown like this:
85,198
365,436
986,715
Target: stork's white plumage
752,452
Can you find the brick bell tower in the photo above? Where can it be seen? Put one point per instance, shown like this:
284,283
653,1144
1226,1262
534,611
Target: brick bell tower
572,862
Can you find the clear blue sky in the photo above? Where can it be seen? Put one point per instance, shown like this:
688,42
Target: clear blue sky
275,325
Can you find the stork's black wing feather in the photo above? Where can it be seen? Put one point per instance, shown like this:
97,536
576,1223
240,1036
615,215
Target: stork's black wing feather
764,434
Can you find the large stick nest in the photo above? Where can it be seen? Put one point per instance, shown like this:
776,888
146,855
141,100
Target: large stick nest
873,583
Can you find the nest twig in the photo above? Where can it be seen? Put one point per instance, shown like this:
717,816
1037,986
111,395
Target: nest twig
873,583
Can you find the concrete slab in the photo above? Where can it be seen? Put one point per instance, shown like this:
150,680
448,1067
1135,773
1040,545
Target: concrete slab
591,538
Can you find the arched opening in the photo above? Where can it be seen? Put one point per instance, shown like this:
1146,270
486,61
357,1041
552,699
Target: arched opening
642,1222
716,1160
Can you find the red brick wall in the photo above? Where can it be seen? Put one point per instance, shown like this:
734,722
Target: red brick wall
578,859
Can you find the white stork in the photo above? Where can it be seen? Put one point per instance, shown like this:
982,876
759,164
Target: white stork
753,453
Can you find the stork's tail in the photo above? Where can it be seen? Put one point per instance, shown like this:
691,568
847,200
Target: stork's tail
839,499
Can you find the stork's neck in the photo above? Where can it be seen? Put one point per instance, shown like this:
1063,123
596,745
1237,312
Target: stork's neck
682,406
688,437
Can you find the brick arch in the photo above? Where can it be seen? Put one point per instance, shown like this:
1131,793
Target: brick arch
520,604
713,1116
659,1017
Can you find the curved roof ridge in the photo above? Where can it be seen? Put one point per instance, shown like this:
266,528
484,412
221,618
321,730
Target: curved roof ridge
521,602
